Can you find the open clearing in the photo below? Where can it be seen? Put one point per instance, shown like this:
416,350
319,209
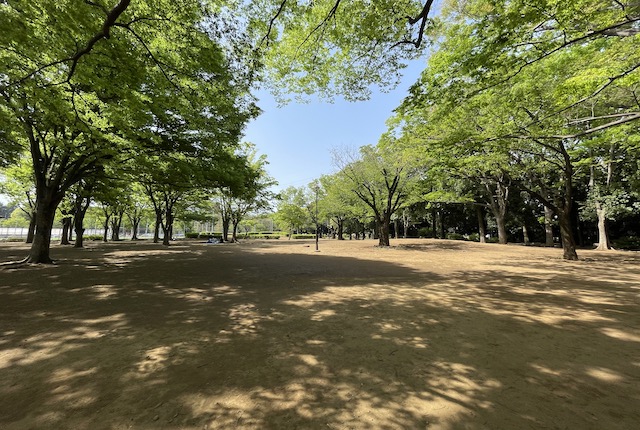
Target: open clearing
272,335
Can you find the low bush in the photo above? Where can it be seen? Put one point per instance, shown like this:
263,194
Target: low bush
455,236
474,237
631,243
93,237
13,239
191,235
425,232
264,236
303,236
209,235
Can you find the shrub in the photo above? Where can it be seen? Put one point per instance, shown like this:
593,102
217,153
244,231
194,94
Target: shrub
264,236
474,237
13,239
455,236
93,237
628,242
191,235
303,236
425,232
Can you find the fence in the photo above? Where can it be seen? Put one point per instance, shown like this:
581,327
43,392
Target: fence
21,233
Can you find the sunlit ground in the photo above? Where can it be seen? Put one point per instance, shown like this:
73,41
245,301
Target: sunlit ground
428,334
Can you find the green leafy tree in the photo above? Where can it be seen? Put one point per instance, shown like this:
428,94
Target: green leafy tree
381,179
60,102
291,209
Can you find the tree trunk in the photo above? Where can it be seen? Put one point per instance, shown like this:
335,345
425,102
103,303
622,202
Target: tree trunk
384,225
548,226
396,228
116,223
502,229
135,223
156,228
603,234
442,228
166,228
66,226
340,233
568,241
234,231
225,229
482,230
79,228
46,206
525,235
32,228
105,234
405,222
434,223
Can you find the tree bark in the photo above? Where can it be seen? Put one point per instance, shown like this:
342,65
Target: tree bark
525,235
482,231
66,226
568,242
383,230
135,223
548,226
340,223
502,229
46,205
234,231
105,234
79,228
167,226
603,234
32,227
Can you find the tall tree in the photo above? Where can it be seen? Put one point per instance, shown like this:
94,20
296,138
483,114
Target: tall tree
57,91
379,178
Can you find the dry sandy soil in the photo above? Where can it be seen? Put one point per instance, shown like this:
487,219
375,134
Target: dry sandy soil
272,335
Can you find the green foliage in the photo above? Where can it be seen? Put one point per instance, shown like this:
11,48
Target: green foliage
425,232
329,47
455,236
303,236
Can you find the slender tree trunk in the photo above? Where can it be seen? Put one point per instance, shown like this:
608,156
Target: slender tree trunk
105,237
225,229
548,226
442,227
340,232
525,235
66,226
482,230
156,228
32,227
135,223
166,228
234,231
396,228
434,223
405,230
603,234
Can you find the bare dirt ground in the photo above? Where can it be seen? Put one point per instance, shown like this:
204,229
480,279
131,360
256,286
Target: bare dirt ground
272,335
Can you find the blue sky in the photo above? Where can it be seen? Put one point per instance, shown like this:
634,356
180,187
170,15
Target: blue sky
298,138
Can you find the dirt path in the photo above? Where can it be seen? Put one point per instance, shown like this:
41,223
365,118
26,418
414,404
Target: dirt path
272,335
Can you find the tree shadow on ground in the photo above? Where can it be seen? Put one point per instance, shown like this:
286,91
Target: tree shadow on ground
196,336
